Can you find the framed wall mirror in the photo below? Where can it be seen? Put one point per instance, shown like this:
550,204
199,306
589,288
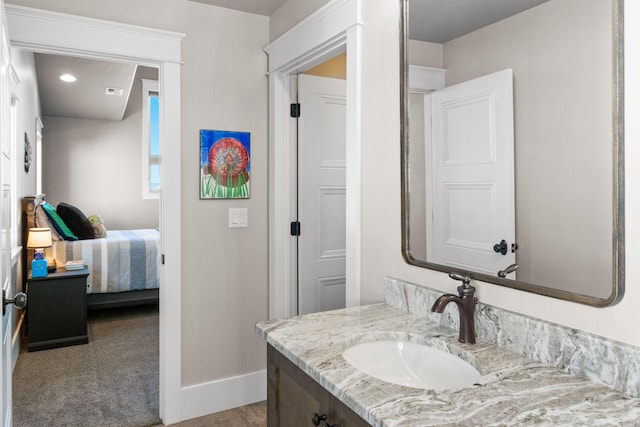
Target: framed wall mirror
512,143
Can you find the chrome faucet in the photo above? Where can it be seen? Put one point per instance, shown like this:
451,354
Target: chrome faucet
466,302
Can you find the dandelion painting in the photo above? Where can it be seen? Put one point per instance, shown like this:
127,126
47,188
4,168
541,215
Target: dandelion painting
224,164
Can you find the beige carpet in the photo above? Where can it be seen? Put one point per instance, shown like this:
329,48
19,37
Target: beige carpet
112,381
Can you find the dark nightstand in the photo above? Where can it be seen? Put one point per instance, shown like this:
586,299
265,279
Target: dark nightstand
57,309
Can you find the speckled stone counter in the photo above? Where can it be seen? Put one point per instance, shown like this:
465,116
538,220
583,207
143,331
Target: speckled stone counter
587,355
514,390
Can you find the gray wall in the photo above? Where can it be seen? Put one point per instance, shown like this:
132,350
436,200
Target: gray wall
28,110
224,86
290,13
96,164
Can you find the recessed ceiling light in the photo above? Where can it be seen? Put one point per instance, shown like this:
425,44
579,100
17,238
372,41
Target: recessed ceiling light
69,78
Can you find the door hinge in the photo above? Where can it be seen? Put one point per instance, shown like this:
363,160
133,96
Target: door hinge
295,110
295,228
162,259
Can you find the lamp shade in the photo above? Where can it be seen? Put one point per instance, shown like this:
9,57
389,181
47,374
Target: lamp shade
39,238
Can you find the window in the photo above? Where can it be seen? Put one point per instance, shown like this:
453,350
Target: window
150,139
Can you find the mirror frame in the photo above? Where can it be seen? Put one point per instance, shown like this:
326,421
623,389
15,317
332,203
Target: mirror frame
618,202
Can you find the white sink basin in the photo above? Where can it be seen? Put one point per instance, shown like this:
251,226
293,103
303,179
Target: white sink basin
411,365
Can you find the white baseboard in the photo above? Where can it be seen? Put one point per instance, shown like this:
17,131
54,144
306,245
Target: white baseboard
215,396
15,339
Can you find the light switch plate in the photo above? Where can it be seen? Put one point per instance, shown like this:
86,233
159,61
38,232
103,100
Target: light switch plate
238,218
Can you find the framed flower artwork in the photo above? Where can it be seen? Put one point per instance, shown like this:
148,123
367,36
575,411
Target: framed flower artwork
225,164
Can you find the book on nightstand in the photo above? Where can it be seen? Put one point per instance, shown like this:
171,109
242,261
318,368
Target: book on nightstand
74,265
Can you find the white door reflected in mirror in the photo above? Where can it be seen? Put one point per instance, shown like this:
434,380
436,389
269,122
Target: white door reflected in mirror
470,154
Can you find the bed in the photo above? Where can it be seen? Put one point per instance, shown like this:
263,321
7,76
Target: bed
123,266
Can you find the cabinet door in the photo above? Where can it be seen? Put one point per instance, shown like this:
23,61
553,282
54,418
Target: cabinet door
342,416
57,312
292,396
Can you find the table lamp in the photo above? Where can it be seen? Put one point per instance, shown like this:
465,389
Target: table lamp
39,238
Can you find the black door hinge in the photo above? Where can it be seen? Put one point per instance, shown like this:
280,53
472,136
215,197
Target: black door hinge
295,110
162,260
295,228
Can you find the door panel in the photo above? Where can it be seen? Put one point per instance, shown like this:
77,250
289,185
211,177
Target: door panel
7,287
6,160
471,159
321,194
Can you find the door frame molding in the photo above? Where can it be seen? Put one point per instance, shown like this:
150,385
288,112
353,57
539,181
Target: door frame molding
332,29
45,31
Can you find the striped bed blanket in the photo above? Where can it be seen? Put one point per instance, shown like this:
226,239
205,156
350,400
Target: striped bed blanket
126,260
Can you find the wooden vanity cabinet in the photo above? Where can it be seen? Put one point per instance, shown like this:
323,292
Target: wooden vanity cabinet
293,397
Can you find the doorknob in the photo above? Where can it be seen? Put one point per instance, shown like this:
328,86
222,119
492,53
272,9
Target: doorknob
501,247
19,300
509,269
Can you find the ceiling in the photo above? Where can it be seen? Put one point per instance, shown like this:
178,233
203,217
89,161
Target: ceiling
437,21
90,96
261,7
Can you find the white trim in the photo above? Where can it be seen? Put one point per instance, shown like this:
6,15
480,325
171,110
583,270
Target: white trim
16,255
333,28
280,286
38,143
219,395
425,79
13,144
51,32
316,32
31,26
354,164
171,245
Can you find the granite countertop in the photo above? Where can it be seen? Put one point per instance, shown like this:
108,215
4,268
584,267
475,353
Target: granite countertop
513,390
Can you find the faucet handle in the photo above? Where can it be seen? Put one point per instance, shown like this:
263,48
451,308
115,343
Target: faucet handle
464,279
465,288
